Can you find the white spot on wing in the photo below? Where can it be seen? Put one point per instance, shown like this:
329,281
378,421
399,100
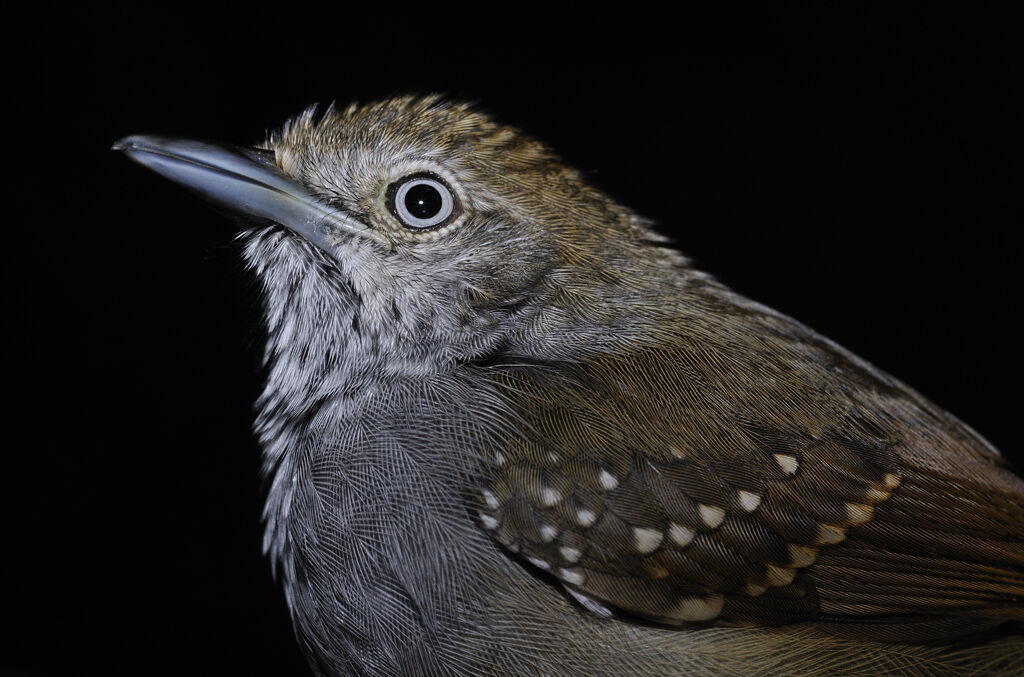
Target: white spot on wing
680,535
548,533
607,480
711,515
585,517
749,500
801,557
574,576
646,540
857,513
828,534
698,608
788,463
539,563
488,521
490,499
549,497
571,555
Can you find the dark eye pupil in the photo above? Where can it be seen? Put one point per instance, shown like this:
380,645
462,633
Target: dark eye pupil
423,201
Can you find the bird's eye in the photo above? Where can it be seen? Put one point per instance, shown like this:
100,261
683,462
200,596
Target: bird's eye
421,201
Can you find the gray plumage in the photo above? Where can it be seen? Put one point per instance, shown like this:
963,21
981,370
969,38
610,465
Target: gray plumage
532,439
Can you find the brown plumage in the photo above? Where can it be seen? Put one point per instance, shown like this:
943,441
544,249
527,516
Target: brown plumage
823,505
527,437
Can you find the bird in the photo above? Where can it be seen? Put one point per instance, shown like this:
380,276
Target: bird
509,429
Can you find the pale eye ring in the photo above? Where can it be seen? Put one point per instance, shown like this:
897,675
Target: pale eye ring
421,201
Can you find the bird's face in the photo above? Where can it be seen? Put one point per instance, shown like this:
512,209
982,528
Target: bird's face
431,205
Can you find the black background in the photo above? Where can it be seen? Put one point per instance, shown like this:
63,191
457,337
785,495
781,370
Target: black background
859,172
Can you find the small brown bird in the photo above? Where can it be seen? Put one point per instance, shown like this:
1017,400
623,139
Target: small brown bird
508,430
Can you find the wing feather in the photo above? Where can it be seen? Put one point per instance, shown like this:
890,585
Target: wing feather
643,487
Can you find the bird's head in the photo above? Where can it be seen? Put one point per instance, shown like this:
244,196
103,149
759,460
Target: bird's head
420,222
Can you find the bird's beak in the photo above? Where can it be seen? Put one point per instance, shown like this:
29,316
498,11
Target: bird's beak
246,180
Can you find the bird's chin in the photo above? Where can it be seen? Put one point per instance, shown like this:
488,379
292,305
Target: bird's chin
271,245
